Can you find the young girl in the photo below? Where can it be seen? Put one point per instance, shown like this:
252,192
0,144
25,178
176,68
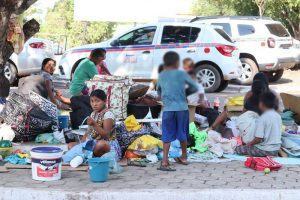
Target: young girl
99,138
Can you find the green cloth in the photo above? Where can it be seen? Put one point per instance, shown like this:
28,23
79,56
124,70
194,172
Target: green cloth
46,138
200,138
85,71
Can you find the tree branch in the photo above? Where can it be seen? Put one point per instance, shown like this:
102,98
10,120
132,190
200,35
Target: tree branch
23,5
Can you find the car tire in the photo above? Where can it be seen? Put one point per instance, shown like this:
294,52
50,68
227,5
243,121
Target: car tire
249,69
275,75
10,72
209,76
75,67
224,84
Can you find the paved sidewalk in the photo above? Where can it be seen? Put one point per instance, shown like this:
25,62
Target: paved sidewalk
211,180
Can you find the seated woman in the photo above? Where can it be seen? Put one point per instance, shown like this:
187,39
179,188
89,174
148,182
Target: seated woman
251,103
100,137
55,96
265,82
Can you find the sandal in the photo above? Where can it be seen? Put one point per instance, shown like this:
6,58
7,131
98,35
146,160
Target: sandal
136,163
180,161
166,168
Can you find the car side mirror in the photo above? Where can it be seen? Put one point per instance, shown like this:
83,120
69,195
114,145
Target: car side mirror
115,43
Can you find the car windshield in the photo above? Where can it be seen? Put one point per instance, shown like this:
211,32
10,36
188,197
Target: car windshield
278,30
223,34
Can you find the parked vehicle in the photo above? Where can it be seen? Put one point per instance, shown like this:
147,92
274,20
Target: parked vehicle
29,60
139,51
296,44
264,44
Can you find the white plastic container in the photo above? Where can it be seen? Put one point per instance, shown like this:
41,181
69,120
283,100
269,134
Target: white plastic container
46,163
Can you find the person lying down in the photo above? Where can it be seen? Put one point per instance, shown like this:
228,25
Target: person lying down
99,138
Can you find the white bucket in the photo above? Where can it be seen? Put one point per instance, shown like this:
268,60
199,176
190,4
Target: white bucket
46,163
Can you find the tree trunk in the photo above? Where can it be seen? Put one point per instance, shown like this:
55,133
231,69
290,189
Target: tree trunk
9,8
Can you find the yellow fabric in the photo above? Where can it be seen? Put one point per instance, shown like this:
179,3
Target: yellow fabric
236,101
132,124
23,155
145,142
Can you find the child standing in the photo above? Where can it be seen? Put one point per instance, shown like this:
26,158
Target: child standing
267,141
199,97
171,88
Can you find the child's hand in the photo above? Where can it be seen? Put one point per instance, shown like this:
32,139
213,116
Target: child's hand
90,121
58,93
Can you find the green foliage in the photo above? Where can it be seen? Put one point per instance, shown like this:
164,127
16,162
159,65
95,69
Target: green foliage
60,23
286,11
212,7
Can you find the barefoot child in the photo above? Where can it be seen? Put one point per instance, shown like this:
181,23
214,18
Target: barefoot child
99,138
267,137
171,88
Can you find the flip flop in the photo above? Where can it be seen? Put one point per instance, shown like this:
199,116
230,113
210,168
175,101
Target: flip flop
179,161
136,163
166,168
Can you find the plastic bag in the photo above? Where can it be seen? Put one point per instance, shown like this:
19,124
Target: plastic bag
132,124
145,143
236,101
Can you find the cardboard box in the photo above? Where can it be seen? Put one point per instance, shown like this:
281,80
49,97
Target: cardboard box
291,100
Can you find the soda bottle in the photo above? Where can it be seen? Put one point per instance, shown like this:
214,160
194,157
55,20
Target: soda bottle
216,103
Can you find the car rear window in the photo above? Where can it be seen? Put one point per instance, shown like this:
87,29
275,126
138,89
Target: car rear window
226,27
278,30
245,29
223,34
179,34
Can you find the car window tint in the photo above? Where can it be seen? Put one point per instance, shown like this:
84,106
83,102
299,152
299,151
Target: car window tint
223,34
226,27
278,30
142,36
244,29
179,34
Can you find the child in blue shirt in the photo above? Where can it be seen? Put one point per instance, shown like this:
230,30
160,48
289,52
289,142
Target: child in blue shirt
171,87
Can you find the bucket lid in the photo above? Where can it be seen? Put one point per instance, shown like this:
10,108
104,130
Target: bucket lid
46,150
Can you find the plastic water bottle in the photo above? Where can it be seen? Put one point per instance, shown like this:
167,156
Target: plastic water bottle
76,161
216,103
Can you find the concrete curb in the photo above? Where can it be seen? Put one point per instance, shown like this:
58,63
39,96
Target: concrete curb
157,194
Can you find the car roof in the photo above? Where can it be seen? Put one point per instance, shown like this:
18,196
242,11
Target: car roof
265,20
171,24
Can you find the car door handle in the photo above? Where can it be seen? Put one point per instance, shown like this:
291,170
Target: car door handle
146,52
191,51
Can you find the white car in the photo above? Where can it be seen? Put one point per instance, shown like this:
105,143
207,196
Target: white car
139,52
29,60
264,44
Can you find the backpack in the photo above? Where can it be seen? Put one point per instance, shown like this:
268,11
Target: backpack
261,163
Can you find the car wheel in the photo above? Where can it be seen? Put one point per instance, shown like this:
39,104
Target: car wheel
209,76
275,75
10,72
224,84
249,69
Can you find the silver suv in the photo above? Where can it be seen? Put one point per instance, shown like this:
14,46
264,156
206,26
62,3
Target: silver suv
29,60
264,44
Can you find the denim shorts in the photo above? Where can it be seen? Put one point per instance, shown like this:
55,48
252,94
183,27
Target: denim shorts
175,125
